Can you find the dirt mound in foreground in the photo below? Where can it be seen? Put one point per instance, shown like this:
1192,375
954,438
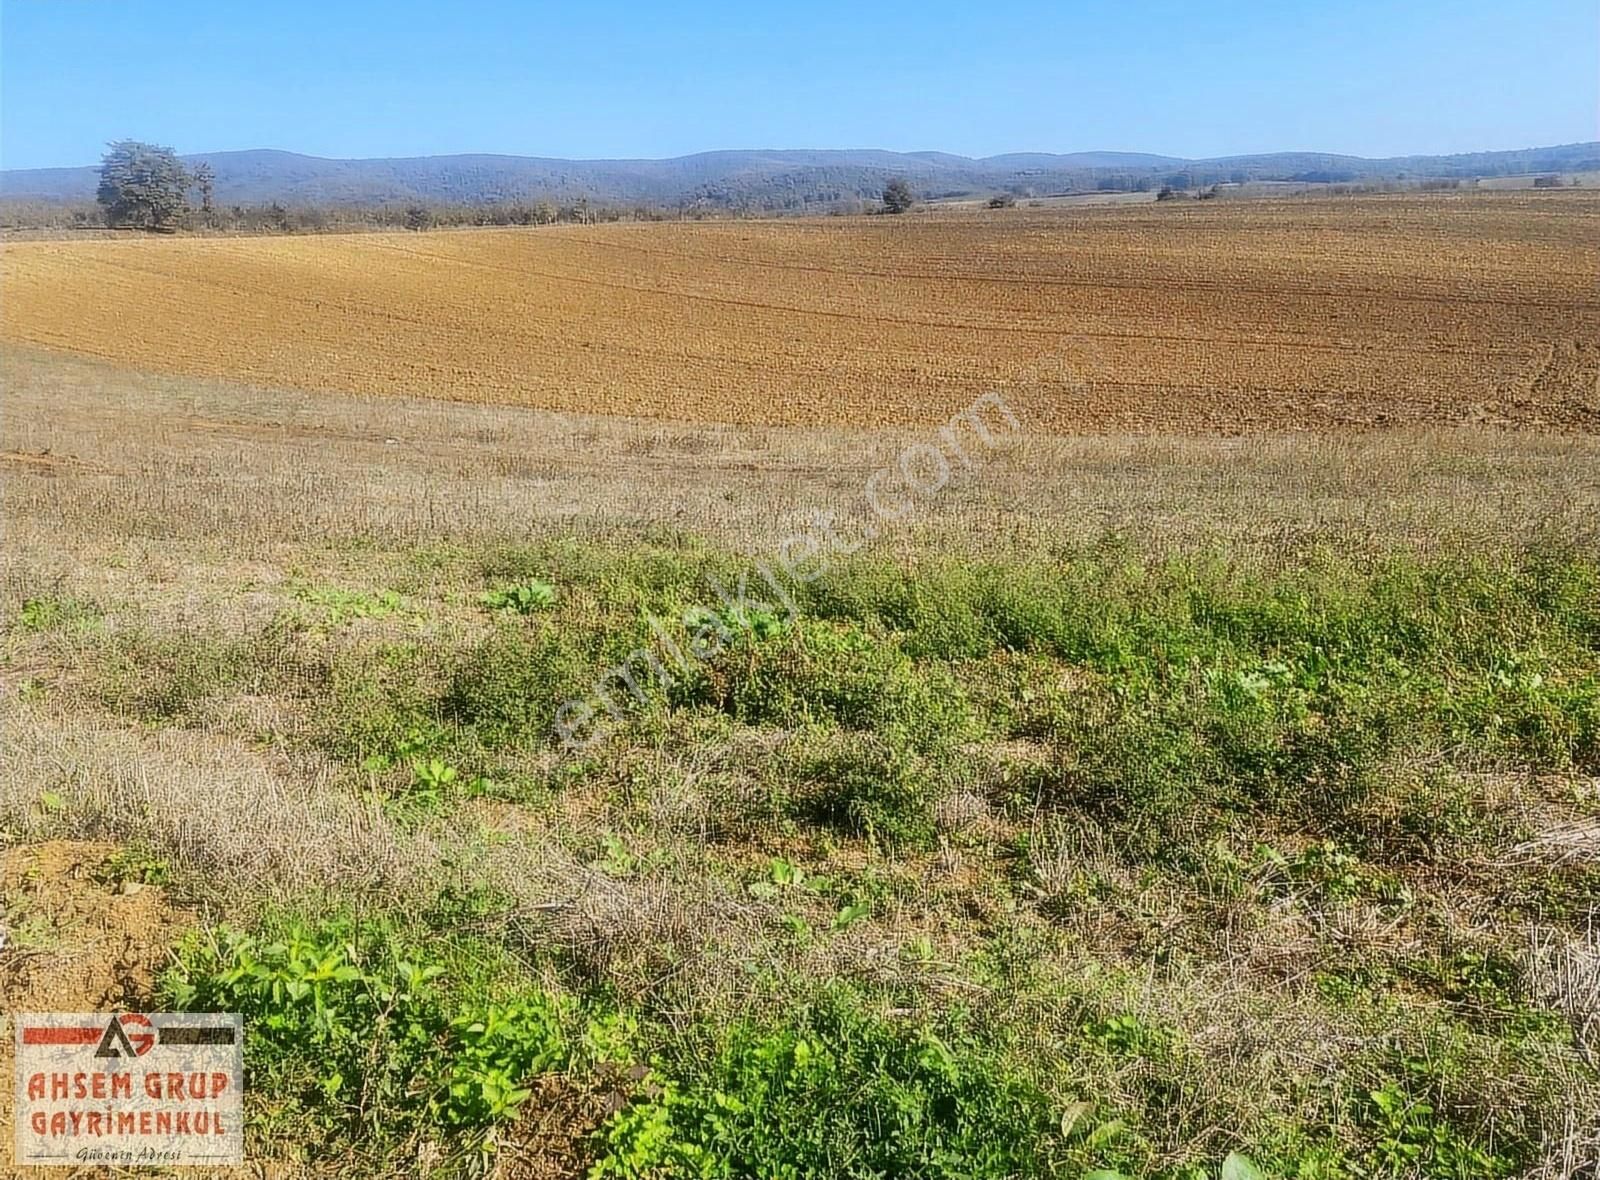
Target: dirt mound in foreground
76,939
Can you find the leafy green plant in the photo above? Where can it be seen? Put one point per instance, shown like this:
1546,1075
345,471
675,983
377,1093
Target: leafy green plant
759,623
431,778
495,1052
336,606
835,1092
1240,1167
56,612
781,875
133,867
871,787
819,673
1126,1035
1326,871
1488,989
849,915
167,677
506,688
531,596
410,748
615,860
336,1017
346,1022
1412,1140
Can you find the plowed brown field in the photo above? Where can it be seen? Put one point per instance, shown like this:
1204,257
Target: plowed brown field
1216,316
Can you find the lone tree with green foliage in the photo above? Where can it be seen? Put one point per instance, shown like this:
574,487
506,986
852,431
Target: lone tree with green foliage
897,196
142,185
205,179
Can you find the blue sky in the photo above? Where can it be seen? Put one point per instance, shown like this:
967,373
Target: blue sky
1191,78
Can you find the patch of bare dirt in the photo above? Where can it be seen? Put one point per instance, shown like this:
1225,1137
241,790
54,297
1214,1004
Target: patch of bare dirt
551,1141
74,941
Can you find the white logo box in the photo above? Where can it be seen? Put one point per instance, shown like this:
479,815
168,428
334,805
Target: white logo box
129,1089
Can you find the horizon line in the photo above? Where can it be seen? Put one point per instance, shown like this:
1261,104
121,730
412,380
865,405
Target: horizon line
886,151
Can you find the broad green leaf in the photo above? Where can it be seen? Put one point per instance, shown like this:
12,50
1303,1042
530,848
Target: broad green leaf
1074,1120
1106,1132
851,914
1240,1167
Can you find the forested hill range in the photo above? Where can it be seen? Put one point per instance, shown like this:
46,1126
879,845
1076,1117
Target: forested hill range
771,180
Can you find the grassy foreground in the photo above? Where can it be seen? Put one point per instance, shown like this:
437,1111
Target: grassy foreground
1087,862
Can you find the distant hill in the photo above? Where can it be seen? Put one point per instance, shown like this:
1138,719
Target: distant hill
776,180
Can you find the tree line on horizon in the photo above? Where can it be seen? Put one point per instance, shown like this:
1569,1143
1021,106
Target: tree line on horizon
146,186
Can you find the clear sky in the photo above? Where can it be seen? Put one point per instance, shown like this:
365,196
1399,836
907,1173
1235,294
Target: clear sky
622,78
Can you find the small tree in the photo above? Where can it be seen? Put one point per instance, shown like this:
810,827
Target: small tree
205,180
142,185
897,196
418,218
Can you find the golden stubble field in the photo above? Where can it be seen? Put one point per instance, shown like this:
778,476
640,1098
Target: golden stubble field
1212,317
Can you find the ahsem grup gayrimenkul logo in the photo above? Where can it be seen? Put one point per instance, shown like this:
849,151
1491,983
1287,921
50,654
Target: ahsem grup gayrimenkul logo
129,1089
